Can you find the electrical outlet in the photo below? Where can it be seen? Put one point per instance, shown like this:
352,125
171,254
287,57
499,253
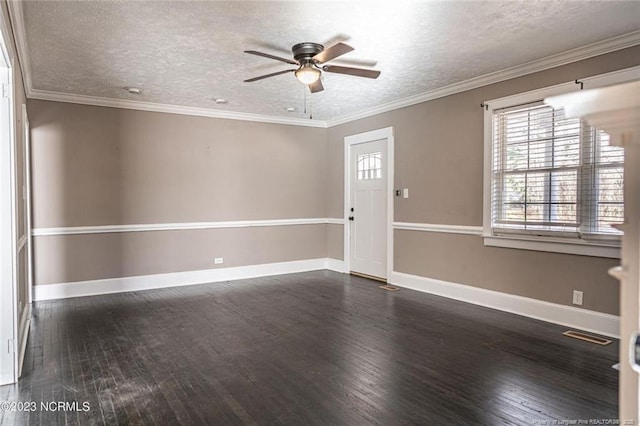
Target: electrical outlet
577,297
218,260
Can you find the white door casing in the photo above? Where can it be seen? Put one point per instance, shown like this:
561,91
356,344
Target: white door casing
368,239
8,240
26,135
25,249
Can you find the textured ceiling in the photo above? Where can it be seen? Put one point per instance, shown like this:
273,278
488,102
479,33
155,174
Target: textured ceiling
186,53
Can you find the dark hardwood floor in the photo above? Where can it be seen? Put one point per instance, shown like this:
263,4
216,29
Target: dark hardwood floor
312,348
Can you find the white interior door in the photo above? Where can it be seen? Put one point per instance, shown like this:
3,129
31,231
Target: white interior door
368,208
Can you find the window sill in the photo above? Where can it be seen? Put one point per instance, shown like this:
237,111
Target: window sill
579,247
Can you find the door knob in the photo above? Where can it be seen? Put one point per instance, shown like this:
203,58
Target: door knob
350,217
634,351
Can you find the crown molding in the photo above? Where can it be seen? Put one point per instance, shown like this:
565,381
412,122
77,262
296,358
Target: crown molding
598,48
556,60
170,109
16,16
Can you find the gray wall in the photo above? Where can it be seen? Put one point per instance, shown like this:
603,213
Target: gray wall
439,157
109,166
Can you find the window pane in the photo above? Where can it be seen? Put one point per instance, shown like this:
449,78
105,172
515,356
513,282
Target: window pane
517,127
610,198
606,153
514,188
564,213
535,213
517,157
609,190
608,215
564,186
514,212
537,184
513,201
566,127
369,166
611,184
540,123
564,197
566,152
539,154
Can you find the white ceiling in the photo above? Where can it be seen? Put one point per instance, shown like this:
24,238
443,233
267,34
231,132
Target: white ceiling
186,53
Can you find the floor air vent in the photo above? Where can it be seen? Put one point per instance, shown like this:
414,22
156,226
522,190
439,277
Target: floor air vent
587,337
389,287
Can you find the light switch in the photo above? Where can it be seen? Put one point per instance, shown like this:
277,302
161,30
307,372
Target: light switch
405,193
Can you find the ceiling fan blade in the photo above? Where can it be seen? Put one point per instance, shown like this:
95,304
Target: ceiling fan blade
316,86
337,38
266,55
273,74
332,52
268,46
356,62
358,72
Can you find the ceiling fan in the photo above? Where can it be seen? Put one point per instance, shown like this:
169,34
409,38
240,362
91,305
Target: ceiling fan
311,59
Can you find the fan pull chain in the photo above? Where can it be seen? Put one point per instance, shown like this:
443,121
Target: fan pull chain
310,106
304,91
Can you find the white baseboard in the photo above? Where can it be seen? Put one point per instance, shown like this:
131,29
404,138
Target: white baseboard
174,279
23,332
583,319
335,265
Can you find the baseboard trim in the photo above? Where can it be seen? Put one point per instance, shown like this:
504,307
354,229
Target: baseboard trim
335,265
174,279
23,332
583,319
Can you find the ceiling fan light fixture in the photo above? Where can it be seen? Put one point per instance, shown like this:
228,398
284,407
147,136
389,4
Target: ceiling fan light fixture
307,74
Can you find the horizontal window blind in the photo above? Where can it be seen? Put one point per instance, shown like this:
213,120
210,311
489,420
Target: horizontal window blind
553,175
604,194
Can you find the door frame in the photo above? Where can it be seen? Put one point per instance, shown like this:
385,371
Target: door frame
26,135
8,229
349,141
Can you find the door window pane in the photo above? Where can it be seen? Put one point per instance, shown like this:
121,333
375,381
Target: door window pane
369,166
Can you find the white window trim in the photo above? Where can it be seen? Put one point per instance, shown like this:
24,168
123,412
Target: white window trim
522,241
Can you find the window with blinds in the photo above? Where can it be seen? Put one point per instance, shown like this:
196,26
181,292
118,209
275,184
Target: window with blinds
554,176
